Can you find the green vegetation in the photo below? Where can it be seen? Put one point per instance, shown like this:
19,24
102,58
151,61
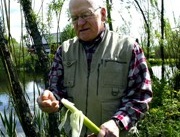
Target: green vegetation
163,119
9,124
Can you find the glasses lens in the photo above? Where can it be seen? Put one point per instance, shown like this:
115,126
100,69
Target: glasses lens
85,15
74,18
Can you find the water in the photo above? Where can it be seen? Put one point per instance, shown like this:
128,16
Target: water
31,99
4,102
157,71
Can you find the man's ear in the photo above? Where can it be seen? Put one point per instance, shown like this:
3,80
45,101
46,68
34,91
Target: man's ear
103,14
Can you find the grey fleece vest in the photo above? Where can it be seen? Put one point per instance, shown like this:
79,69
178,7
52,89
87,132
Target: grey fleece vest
97,93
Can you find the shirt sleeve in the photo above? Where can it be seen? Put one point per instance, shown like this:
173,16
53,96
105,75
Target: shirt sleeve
56,75
138,95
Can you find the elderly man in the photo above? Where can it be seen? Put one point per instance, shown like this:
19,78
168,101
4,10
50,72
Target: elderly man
105,75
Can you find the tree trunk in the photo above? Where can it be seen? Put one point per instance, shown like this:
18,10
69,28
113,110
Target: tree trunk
31,26
148,35
148,28
162,38
20,104
108,5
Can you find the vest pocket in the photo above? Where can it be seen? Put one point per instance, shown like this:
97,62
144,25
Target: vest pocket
113,73
69,73
109,109
112,79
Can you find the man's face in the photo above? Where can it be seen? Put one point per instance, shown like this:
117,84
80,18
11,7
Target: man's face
87,21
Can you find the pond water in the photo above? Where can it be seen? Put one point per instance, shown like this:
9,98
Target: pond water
31,99
38,87
158,73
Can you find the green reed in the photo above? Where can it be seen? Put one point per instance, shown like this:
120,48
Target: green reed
9,123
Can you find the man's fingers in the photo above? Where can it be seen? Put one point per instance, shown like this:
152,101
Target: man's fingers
45,95
49,109
47,102
55,103
101,133
92,135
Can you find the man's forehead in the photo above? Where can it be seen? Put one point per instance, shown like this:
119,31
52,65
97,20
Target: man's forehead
89,3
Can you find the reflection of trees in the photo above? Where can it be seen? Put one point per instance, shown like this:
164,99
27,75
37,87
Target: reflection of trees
25,78
3,81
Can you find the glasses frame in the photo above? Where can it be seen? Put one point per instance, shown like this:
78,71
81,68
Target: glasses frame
85,15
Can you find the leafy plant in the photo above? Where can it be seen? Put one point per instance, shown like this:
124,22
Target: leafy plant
163,118
9,124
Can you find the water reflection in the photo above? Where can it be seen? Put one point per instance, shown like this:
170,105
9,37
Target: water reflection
4,102
169,71
3,82
32,88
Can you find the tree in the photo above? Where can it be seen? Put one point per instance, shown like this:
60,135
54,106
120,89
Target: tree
147,26
162,37
109,8
21,105
67,33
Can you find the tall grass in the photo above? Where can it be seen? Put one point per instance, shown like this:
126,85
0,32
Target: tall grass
42,123
9,123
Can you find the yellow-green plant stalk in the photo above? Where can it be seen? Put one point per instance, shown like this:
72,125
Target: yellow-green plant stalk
87,122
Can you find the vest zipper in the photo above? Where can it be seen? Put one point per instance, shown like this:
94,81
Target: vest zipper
87,97
98,79
87,91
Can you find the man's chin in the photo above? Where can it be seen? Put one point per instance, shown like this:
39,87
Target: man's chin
85,39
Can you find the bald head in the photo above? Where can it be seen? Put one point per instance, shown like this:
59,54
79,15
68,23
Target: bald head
94,4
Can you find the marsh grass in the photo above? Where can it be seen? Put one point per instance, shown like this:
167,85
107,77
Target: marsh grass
9,123
42,123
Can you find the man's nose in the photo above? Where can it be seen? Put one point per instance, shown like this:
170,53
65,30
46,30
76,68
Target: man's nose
81,21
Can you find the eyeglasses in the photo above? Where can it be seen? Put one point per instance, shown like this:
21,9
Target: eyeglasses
85,16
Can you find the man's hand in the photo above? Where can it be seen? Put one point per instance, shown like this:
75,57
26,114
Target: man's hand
47,102
108,129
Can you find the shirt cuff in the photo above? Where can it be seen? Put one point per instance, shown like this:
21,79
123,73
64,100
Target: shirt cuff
118,123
